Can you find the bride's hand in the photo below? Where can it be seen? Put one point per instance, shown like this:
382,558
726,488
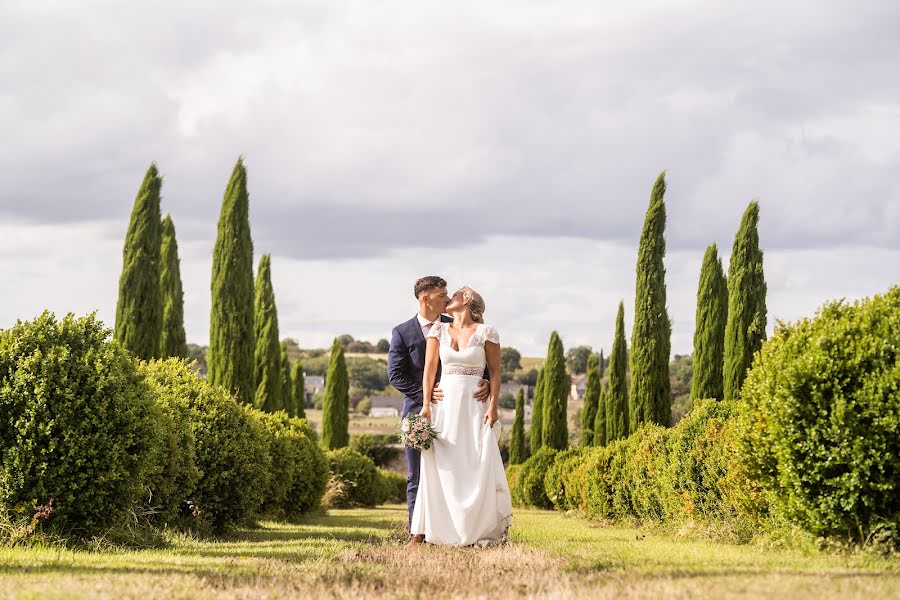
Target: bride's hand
491,416
426,412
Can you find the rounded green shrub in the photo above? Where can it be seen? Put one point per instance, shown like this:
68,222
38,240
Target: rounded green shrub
312,473
819,423
76,423
531,478
175,474
357,478
381,448
230,446
515,490
392,487
298,474
645,467
556,481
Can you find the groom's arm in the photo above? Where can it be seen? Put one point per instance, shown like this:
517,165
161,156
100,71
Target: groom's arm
399,368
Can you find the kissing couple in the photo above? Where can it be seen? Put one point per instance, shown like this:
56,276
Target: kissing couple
448,370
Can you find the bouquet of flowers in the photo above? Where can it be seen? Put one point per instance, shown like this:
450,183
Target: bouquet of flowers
416,432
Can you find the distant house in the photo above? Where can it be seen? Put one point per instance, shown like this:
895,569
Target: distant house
512,387
577,391
386,406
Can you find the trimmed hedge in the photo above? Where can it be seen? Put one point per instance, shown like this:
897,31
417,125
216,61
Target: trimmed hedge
299,472
231,446
380,447
357,478
819,425
530,480
77,424
392,487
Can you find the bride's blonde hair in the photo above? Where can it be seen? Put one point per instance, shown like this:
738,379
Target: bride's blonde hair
475,303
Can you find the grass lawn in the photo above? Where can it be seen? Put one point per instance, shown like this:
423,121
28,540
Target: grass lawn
358,553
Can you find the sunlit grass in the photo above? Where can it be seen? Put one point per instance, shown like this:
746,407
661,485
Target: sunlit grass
359,553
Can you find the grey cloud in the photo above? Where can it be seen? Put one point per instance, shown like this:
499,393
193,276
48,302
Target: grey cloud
364,124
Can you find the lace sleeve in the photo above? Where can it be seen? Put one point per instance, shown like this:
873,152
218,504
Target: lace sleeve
435,331
491,335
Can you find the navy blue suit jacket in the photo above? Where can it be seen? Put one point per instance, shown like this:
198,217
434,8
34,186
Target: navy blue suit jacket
406,360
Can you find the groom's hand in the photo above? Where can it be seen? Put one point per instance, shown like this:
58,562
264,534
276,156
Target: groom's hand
484,390
437,394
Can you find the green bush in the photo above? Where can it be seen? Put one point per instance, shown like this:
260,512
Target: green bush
76,424
231,448
357,477
364,406
513,473
174,479
312,470
298,474
557,480
381,448
392,487
819,422
531,478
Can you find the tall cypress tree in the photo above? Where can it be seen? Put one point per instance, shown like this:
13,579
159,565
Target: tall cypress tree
709,331
591,401
601,364
600,419
267,355
537,413
651,337
617,399
231,337
139,310
287,389
745,330
517,438
298,381
172,339
336,407
556,396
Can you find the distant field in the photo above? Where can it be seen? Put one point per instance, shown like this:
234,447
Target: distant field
531,362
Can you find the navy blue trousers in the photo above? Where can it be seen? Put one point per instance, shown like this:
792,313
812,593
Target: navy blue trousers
413,459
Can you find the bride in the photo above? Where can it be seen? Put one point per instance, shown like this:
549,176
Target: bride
463,496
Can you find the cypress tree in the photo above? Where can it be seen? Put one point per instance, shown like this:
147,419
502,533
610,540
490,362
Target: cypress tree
556,396
709,332
591,402
172,340
336,406
651,337
601,364
287,389
139,310
231,336
267,355
517,438
745,330
298,382
537,414
617,398
600,418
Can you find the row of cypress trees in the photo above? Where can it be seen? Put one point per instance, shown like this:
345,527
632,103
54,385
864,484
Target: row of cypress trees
245,355
150,307
730,328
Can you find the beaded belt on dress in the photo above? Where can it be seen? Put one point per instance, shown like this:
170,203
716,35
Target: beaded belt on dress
458,370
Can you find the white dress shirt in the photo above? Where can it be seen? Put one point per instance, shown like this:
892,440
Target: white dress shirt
425,324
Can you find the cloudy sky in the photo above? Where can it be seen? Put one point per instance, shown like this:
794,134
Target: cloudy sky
510,146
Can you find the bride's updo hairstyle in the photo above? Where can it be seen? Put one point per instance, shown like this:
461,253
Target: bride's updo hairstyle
475,303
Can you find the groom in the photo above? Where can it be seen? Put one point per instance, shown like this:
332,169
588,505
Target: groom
406,365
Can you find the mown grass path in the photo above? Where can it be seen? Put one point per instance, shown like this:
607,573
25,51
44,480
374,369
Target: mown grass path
358,554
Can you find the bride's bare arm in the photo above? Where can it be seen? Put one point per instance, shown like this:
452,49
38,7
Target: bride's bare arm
492,353
432,353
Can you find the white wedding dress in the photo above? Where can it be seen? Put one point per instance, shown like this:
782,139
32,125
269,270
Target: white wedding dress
463,494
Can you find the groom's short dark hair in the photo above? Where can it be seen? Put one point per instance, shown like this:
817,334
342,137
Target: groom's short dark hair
427,284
